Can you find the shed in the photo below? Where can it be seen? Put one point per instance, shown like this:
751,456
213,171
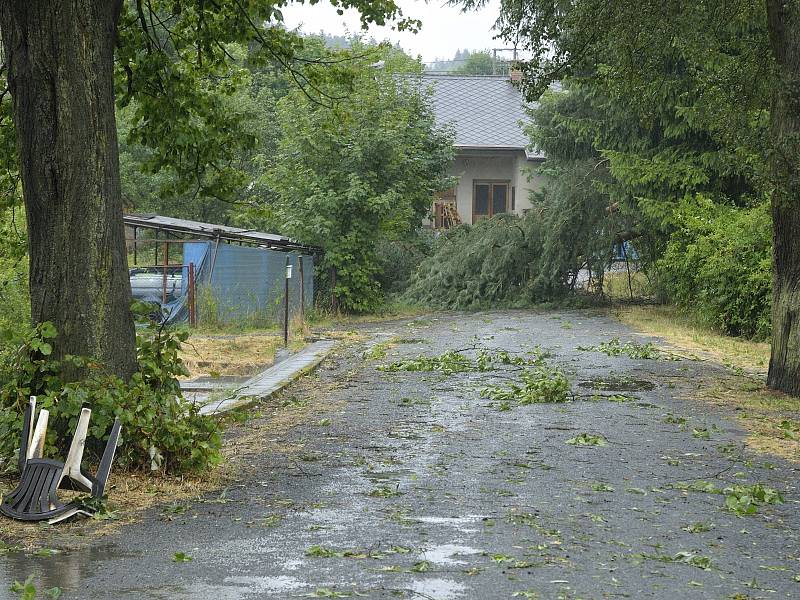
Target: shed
199,272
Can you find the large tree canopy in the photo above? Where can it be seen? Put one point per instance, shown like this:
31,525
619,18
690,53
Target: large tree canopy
723,76
172,62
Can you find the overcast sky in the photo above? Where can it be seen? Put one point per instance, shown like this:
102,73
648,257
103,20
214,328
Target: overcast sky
444,28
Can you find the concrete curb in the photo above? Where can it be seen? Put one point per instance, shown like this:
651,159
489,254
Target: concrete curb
273,379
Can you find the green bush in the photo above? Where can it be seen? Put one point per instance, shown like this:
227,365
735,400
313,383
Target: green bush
161,431
399,259
718,265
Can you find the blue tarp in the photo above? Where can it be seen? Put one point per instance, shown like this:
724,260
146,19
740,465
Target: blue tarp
240,283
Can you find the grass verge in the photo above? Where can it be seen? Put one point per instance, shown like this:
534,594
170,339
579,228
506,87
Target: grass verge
682,332
234,354
771,419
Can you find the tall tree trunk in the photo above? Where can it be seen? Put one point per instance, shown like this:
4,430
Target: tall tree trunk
60,59
784,30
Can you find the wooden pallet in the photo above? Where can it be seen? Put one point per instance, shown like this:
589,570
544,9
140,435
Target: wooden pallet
446,215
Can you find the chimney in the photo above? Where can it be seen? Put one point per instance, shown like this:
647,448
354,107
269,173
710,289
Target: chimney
515,75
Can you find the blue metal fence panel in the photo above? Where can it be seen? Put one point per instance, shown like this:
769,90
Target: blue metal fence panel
240,283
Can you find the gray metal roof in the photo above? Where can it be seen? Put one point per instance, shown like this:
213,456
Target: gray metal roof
485,111
223,232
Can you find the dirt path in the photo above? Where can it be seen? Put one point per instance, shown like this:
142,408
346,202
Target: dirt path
410,485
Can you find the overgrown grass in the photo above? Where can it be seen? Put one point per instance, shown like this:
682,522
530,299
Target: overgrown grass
616,287
233,355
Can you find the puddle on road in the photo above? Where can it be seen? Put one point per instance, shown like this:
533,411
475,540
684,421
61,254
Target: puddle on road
400,434
293,565
460,523
237,588
615,383
387,475
445,554
63,569
438,589
268,585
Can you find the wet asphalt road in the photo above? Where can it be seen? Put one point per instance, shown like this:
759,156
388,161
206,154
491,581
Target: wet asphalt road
413,486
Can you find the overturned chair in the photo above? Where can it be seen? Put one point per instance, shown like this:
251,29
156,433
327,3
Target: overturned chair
36,496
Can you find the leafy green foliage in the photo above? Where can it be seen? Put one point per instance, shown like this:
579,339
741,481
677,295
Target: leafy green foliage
699,527
456,362
740,499
659,135
478,63
539,385
13,269
27,590
399,259
354,175
180,71
181,557
384,492
448,363
161,430
635,350
718,264
689,558
745,499
587,439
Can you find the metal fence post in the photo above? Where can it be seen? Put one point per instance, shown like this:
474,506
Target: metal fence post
302,289
192,297
164,279
286,302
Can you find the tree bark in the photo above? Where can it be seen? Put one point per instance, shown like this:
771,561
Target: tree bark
784,29
60,59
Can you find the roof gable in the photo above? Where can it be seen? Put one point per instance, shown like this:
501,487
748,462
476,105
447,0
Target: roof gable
485,111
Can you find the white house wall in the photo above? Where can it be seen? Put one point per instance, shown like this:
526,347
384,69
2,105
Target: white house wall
493,166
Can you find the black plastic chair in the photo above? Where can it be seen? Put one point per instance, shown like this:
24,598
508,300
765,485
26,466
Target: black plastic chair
36,496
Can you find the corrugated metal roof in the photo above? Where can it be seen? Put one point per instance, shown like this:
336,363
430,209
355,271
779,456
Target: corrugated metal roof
224,232
485,111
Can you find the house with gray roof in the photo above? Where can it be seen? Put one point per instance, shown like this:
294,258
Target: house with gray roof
495,168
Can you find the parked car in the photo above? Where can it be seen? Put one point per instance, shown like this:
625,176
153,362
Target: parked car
147,283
